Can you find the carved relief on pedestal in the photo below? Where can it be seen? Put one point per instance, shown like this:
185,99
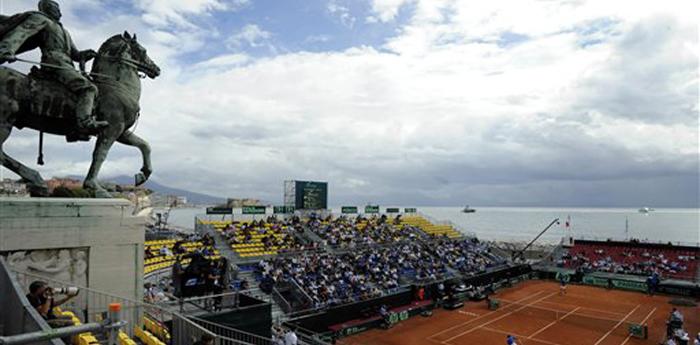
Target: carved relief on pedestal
65,265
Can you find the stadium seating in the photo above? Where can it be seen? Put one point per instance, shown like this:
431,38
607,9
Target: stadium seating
88,338
157,329
633,258
248,238
147,337
430,228
344,231
159,262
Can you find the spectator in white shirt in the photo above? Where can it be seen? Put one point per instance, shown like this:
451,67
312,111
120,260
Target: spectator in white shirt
290,338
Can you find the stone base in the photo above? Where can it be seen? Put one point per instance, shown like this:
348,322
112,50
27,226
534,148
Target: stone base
93,241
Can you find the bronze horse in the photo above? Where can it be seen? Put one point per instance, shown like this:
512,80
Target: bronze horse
45,106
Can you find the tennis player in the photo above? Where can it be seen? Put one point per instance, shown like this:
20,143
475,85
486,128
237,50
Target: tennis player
562,284
510,340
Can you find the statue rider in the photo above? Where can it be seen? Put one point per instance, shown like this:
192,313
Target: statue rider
43,29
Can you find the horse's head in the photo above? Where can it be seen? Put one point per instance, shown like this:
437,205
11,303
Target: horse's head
137,53
127,49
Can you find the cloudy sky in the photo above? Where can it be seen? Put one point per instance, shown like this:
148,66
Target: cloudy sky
414,102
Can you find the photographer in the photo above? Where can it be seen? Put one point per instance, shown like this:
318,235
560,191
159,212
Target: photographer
41,297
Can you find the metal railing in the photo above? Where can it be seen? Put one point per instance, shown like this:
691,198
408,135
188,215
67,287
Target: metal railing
281,301
232,336
17,315
184,331
90,305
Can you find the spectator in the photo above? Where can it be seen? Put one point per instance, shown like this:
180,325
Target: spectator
149,293
369,272
676,316
164,251
290,338
42,299
697,339
177,273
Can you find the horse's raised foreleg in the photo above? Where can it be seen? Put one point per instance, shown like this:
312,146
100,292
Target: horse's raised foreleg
131,139
36,185
99,154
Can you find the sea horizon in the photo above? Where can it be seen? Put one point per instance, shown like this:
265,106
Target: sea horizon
521,224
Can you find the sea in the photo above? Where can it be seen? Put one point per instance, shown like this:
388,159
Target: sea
521,224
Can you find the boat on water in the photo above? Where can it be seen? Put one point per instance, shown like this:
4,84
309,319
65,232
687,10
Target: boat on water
468,209
645,210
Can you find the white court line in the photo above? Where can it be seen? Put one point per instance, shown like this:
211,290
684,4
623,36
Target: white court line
641,323
517,336
501,317
617,325
592,309
588,298
552,323
472,320
467,313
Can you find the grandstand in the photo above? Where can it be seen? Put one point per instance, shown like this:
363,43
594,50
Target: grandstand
155,260
635,258
409,264
429,228
249,238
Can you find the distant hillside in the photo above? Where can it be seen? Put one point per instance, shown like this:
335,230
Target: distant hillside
192,197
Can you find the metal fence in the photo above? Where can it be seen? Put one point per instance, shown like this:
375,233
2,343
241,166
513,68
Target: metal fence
18,316
90,305
185,332
231,336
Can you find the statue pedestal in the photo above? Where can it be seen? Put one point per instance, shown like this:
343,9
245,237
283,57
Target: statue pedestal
93,242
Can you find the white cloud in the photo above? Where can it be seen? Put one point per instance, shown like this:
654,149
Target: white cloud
455,105
387,10
164,13
250,34
342,12
318,38
224,61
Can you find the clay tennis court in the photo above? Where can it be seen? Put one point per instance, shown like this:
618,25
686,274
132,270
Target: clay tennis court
537,314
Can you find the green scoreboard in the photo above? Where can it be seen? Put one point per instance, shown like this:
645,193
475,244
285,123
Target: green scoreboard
219,210
372,209
254,209
310,195
348,209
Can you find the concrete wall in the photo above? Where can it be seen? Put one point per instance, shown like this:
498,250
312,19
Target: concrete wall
114,238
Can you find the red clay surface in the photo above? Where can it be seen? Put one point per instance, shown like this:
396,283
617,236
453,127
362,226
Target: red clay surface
475,324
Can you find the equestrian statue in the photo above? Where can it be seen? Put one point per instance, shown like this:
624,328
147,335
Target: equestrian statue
58,99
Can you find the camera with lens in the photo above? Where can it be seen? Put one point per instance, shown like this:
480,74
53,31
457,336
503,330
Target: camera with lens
69,291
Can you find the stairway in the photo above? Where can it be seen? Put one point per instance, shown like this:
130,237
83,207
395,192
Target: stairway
221,244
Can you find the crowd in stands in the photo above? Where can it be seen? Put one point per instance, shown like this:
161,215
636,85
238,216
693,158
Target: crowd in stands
161,254
468,256
332,279
262,237
349,232
326,279
632,259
